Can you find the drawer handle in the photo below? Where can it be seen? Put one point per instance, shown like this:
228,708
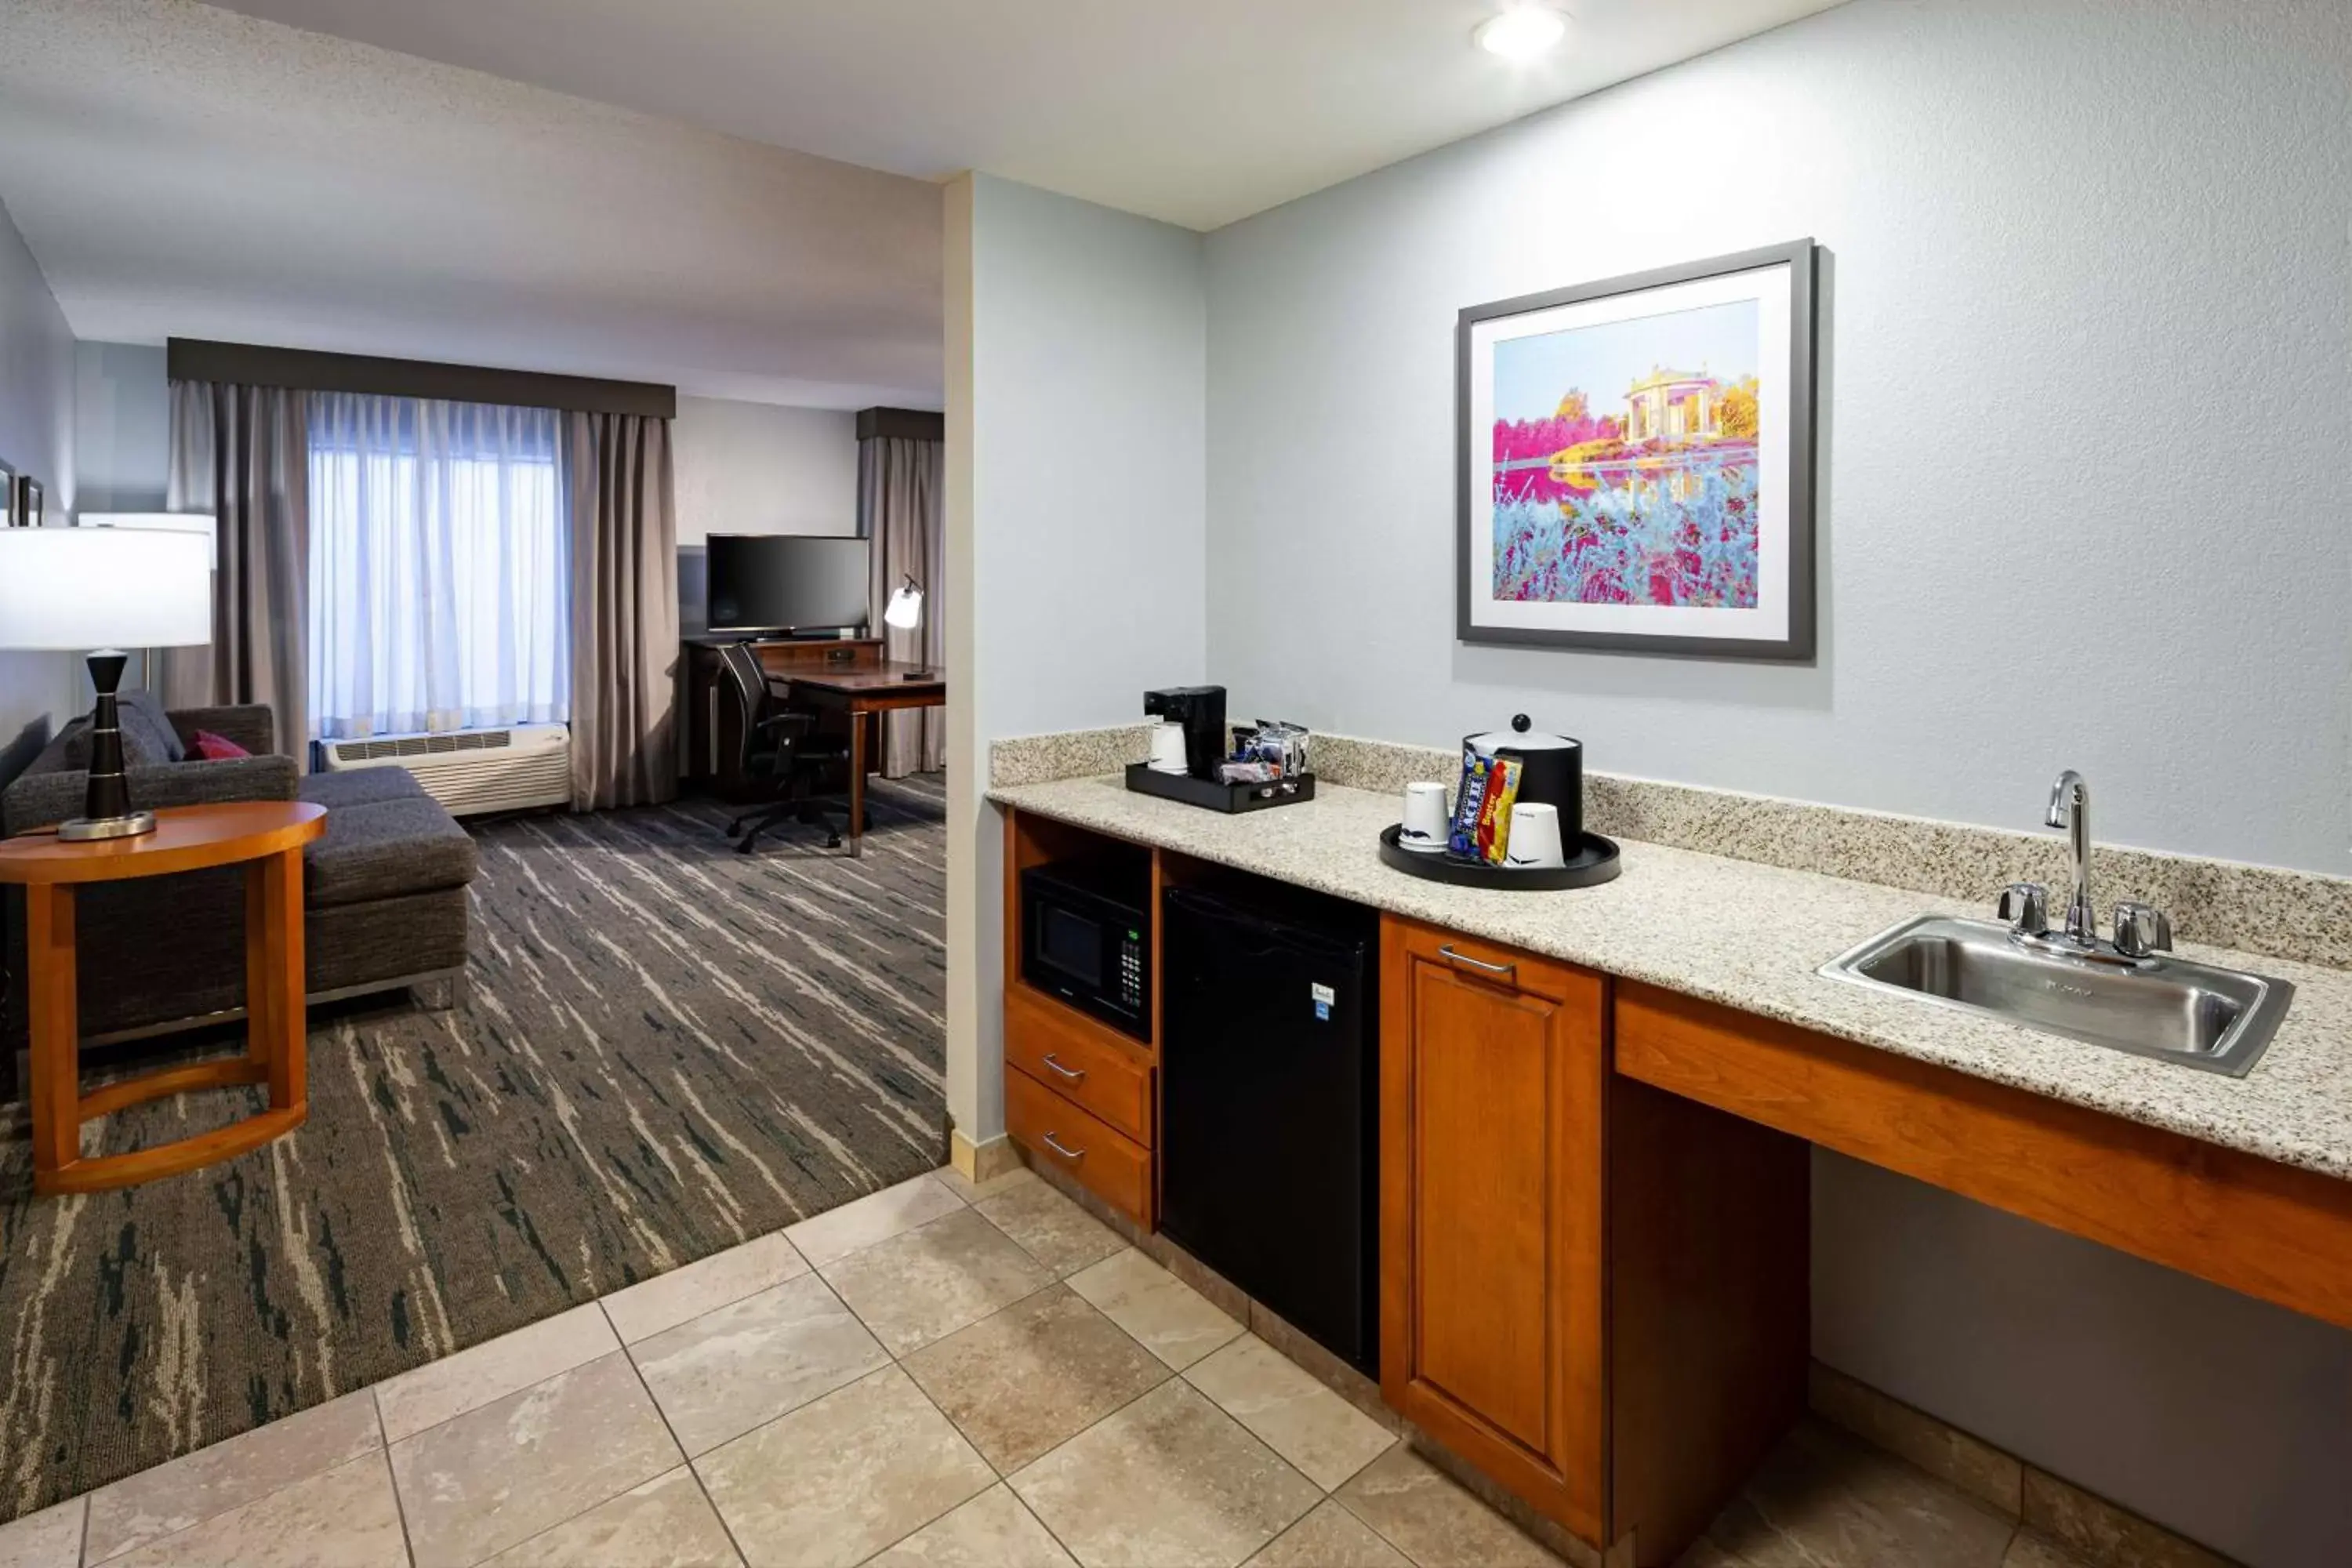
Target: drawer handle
1463,960
1076,1075
1064,1150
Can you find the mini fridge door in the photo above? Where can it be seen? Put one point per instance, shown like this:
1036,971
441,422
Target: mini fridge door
1269,1119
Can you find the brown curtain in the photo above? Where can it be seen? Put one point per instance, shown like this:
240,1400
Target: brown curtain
622,527
243,454
900,492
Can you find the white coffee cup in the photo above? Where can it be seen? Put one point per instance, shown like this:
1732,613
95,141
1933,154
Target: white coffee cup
1534,835
1426,823
1168,749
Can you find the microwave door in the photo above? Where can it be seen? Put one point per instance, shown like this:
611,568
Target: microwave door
1070,947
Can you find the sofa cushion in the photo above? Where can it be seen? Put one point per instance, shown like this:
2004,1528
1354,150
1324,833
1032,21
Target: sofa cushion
360,787
144,716
383,848
148,739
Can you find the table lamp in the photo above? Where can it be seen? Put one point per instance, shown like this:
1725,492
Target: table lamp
904,611
66,589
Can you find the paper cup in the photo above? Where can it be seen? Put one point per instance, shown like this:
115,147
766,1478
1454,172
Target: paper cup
1168,749
1534,835
1425,826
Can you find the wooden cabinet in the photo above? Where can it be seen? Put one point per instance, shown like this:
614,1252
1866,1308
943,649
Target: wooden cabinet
1593,1291
1077,1058
1057,1132
1492,1069
1079,1095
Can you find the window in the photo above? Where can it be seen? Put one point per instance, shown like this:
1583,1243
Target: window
440,569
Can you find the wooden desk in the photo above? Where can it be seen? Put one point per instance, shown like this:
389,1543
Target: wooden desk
714,724
266,837
883,687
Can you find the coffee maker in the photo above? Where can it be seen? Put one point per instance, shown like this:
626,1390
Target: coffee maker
1201,710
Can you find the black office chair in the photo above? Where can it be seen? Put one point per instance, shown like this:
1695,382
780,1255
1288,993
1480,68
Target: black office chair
780,749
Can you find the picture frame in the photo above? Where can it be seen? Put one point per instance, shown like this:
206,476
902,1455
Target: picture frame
26,510
8,495
1635,462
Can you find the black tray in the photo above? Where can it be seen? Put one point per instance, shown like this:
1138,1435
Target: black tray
1594,862
1142,778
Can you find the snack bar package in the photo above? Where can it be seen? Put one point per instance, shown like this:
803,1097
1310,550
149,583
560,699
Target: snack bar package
1464,839
1482,809
1493,833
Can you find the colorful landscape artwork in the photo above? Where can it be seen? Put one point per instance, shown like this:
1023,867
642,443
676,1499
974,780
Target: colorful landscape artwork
1625,461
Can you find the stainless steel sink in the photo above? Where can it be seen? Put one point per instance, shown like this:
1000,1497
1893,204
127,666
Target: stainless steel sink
2219,1020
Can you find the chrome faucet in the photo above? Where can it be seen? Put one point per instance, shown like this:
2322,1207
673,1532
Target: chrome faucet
2069,807
2141,930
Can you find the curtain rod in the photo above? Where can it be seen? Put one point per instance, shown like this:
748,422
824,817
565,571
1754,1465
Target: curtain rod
250,365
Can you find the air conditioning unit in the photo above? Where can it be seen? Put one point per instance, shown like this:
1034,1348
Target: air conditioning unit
470,771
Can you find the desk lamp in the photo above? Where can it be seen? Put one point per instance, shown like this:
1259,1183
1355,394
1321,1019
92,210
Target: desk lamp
904,611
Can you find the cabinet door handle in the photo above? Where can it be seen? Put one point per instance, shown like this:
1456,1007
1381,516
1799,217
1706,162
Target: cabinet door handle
1076,1075
1064,1150
1463,960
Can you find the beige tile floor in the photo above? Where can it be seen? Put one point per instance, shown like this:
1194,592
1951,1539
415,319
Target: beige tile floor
937,1375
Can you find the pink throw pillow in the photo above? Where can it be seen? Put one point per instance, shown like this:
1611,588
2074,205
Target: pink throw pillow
214,748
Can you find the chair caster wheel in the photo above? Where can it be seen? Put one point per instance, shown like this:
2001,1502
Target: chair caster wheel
832,841
745,846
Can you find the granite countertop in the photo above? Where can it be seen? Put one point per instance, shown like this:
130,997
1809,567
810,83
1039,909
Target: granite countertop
1752,936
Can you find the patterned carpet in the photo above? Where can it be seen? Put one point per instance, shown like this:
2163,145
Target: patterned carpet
668,1049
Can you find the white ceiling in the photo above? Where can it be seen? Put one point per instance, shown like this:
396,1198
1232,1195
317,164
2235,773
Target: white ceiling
186,171
1197,111
180,171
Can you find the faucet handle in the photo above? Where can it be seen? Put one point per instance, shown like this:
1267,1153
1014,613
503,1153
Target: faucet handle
2142,929
2026,906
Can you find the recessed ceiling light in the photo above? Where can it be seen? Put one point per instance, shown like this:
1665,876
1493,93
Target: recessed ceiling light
1522,32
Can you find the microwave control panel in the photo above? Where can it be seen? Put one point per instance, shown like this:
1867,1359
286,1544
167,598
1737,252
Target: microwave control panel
1131,971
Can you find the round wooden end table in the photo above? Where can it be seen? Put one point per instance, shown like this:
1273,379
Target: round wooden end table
266,837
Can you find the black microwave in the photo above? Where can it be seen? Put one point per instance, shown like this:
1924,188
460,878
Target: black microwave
1084,939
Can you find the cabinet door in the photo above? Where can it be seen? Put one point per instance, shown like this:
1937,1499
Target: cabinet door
1492,1069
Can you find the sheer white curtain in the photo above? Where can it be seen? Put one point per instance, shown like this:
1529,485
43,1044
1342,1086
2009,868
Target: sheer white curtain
440,566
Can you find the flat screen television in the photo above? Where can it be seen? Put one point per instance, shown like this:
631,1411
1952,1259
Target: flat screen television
787,584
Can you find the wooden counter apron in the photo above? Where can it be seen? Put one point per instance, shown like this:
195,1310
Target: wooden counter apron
265,837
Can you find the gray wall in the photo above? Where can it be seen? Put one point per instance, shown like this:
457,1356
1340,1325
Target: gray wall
122,427
1077,544
2086,316
36,438
2228,1419
2086,333
1089,399
761,467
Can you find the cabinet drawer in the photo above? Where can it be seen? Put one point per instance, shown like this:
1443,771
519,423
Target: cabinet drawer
1064,1053
1111,1164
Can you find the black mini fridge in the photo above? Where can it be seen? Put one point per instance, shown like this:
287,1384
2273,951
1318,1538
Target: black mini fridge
1269,1083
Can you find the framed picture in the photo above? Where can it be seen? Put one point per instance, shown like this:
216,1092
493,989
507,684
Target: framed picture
7,495
1635,462
27,511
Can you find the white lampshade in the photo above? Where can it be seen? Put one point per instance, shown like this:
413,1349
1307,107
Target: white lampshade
168,521
905,610
79,588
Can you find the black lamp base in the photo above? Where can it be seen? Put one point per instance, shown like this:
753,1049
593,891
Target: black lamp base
920,675
106,810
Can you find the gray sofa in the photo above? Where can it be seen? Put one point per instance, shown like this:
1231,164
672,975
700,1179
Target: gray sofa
384,888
